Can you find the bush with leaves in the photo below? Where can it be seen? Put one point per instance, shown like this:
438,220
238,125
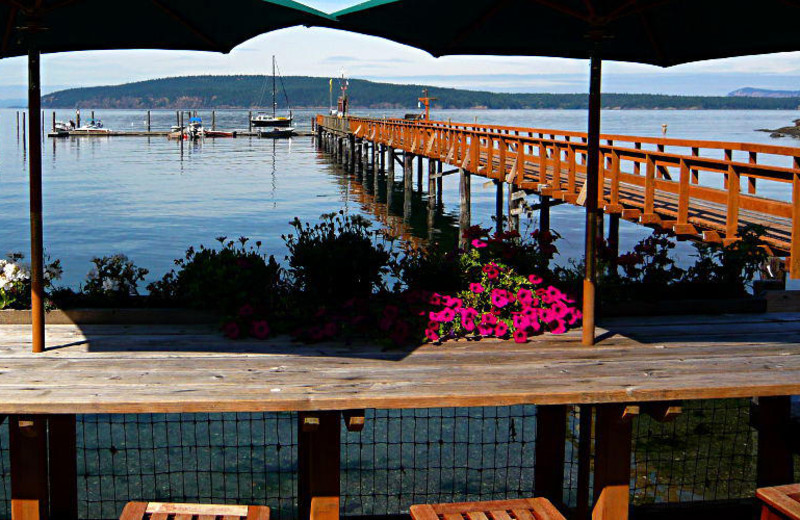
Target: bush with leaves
734,265
115,278
222,280
337,259
15,281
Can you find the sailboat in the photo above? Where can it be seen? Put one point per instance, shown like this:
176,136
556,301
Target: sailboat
273,125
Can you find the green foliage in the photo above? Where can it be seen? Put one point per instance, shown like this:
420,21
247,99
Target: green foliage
337,259
246,92
114,277
735,264
221,279
15,280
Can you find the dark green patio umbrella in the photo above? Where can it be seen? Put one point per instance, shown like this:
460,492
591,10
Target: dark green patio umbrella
658,32
35,26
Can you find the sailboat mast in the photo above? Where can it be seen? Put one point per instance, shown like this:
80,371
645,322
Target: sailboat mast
274,102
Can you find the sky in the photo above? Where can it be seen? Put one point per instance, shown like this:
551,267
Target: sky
328,52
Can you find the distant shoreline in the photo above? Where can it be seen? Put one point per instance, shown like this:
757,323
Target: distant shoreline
242,92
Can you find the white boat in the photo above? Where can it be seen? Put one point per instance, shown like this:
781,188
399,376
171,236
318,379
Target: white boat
194,130
276,132
93,127
273,120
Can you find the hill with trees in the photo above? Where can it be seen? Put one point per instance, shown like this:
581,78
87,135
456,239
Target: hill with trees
255,92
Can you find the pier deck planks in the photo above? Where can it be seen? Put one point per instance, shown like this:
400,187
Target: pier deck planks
150,368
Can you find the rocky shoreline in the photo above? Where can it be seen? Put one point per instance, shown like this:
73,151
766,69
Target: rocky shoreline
786,131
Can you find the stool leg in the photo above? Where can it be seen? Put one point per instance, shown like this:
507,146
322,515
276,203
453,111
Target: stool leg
612,469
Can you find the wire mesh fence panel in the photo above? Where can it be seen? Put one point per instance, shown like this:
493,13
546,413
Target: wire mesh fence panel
403,457
400,458
207,458
708,453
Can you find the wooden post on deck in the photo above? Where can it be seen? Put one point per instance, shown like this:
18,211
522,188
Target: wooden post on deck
612,466
498,205
775,464
592,192
551,431
318,457
213,119
466,203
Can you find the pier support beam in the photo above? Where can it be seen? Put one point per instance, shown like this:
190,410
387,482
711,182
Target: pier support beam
431,199
465,216
391,161
544,214
419,173
439,190
498,205
383,157
408,185
613,238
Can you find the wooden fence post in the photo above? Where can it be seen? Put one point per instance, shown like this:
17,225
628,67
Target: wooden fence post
318,457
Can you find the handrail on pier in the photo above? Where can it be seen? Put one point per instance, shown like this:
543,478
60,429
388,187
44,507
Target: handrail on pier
690,187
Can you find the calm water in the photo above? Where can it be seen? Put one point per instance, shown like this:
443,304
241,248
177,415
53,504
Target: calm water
150,199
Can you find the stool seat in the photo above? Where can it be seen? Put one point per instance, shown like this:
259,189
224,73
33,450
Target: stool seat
172,511
519,509
780,502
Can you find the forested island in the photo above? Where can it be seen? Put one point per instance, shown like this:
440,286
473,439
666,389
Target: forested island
255,92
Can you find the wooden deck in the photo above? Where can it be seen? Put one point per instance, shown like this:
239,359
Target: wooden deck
133,369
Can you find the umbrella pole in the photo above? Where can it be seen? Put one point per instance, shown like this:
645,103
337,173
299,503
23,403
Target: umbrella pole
592,175
35,179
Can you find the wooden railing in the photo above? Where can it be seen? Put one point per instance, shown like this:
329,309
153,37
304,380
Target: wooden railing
690,187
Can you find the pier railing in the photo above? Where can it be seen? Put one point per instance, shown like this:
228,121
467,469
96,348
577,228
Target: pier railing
690,187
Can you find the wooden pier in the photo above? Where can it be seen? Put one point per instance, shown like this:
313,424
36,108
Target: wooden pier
691,188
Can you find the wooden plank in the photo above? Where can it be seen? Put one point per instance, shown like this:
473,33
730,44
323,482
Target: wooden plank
324,508
612,471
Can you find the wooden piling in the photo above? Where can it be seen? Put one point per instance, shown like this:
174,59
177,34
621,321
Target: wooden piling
439,196
408,185
613,237
544,214
383,157
54,121
466,203
498,205
92,115
250,121
431,199
419,173
148,121
213,119
391,160
177,118
78,117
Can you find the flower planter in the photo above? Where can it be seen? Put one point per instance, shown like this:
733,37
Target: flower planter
685,306
119,316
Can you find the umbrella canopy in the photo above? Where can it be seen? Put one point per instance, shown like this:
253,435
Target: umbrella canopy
658,32
201,25
35,26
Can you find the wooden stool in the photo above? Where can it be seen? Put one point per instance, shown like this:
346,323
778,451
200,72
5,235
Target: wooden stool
165,511
780,502
522,509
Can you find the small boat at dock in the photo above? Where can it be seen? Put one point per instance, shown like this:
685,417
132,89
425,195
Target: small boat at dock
219,133
94,127
276,133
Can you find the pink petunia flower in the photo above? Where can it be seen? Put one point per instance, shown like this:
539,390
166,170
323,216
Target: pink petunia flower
232,330
520,336
432,334
488,319
499,298
521,322
246,310
535,280
501,329
447,315
478,244
485,330
476,288
525,296
259,329
558,327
